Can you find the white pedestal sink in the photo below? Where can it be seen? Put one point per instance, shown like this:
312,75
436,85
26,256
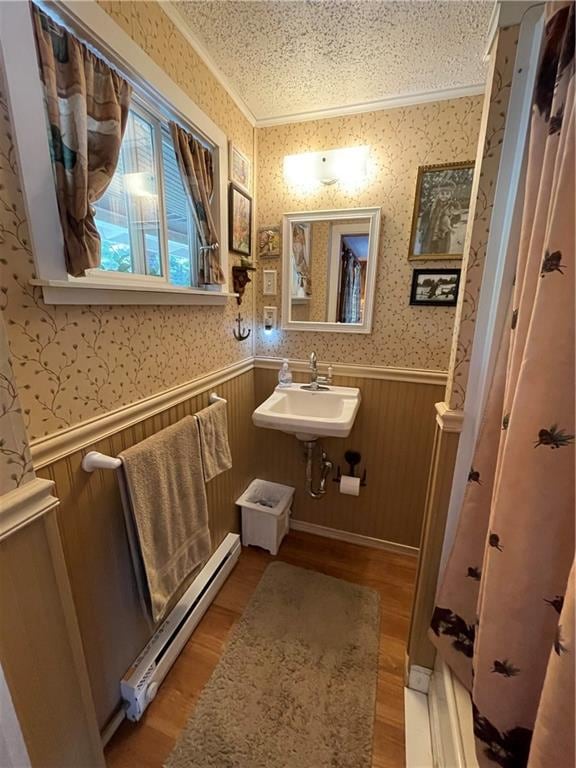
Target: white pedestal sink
309,414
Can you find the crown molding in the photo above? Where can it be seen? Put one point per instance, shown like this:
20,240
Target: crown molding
390,102
184,28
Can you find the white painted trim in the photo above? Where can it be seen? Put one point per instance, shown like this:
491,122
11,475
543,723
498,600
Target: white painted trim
112,725
25,504
30,128
390,102
183,27
448,421
333,215
505,13
57,445
500,262
46,450
417,730
28,115
13,752
85,291
451,724
408,375
419,678
352,538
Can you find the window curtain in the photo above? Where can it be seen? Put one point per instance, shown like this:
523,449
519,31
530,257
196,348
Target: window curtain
350,288
87,104
504,619
196,169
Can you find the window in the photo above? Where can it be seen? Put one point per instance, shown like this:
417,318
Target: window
144,218
147,228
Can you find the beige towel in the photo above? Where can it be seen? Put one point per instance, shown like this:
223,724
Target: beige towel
168,500
213,429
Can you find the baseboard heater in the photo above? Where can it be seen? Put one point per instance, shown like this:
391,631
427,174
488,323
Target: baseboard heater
140,683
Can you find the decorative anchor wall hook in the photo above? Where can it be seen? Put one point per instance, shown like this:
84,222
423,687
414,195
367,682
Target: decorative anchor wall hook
241,333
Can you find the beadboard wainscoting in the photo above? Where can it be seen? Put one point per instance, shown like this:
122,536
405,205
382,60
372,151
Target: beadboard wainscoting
394,432
40,645
112,625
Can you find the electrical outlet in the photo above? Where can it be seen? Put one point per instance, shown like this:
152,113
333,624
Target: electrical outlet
269,282
270,318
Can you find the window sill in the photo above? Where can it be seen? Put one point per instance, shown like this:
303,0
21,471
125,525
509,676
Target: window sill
97,292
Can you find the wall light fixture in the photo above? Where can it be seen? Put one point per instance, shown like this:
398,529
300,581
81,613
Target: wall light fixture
347,166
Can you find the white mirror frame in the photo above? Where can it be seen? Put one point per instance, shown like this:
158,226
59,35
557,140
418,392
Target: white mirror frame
374,216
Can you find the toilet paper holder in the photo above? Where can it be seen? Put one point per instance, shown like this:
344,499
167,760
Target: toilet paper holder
352,458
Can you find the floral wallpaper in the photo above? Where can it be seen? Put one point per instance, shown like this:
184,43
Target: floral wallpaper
15,460
74,362
500,76
400,140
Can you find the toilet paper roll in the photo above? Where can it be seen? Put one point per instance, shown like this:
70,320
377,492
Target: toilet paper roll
350,485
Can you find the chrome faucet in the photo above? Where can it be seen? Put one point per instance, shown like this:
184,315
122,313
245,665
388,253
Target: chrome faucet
316,381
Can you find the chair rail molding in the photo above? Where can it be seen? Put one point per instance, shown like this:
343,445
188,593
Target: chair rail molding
45,450
409,375
49,448
25,504
449,420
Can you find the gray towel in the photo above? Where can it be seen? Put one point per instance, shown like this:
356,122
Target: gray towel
168,500
213,429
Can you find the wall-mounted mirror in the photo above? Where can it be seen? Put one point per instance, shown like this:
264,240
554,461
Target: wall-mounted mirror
329,270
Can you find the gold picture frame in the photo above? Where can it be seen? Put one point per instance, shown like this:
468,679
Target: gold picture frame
441,210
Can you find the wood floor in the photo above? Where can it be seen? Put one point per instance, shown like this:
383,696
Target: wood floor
147,744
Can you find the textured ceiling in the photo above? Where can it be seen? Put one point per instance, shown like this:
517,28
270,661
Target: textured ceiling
285,57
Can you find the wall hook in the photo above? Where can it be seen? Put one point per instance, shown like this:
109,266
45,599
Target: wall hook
241,333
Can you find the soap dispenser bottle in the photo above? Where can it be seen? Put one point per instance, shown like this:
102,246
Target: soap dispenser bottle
284,374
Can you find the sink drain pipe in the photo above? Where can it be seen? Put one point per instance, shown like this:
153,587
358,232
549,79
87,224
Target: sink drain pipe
325,469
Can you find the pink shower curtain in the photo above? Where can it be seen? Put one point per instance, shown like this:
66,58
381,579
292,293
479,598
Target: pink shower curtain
504,619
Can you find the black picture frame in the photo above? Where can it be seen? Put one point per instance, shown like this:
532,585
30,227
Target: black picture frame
235,244
421,275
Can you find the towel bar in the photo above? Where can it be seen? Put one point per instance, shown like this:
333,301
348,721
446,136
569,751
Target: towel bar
96,460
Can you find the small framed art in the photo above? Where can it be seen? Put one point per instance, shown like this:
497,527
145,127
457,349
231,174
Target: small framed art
268,242
435,287
239,221
238,167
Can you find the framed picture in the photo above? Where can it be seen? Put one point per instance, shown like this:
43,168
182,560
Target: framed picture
239,221
441,210
238,167
268,242
435,287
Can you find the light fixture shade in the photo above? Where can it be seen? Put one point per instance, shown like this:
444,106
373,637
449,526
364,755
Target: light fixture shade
309,169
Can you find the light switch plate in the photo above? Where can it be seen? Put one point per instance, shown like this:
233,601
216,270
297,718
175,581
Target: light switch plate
270,318
269,282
